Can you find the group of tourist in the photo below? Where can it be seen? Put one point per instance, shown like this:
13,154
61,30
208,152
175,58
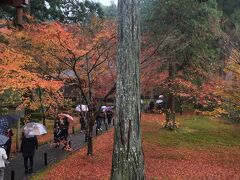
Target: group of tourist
158,105
60,132
29,143
102,116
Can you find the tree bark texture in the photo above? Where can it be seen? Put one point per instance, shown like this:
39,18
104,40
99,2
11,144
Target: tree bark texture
91,120
170,114
128,161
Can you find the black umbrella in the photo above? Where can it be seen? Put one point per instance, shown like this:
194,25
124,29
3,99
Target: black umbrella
8,120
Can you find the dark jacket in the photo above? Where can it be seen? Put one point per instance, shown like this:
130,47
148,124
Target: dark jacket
66,123
29,145
109,114
9,134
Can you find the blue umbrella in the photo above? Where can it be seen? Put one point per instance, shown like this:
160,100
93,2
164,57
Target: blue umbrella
8,120
3,139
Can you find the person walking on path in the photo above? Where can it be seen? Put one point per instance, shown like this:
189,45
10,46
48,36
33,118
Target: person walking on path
160,104
109,116
82,122
28,146
56,135
8,144
66,126
57,122
151,107
98,120
3,158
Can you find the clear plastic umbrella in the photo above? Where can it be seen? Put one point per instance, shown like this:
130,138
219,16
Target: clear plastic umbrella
34,129
81,107
3,139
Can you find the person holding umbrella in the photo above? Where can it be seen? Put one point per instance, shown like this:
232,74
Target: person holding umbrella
82,121
109,115
30,143
66,121
98,120
28,146
7,121
66,126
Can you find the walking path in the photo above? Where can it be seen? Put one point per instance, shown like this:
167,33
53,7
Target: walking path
53,155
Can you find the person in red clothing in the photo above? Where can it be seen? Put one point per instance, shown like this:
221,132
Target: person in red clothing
8,144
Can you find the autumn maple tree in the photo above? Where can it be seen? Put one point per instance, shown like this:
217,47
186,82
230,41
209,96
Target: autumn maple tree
17,75
83,57
227,90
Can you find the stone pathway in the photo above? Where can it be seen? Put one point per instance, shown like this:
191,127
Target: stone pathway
54,155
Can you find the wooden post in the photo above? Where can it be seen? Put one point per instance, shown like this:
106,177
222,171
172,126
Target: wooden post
12,174
70,144
96,131
19,16
45,159
106,125
73,130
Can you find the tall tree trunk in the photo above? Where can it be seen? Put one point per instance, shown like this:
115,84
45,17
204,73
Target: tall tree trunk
170,116
127,161
90,134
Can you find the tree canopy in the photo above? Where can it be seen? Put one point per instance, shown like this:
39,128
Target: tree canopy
67,11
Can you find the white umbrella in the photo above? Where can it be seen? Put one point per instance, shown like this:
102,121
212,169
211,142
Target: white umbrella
161,96
103,108
159,101
81,108
34,129
106,108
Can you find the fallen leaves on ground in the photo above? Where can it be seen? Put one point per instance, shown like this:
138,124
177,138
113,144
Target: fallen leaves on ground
161,162
81,166
183,163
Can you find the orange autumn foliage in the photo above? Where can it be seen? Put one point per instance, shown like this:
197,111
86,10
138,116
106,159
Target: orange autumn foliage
84,53
40,55
17,69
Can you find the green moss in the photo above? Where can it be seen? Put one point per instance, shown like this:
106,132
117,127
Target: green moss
195,131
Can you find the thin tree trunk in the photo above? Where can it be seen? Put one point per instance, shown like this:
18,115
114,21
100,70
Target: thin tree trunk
170,118
42,107
127,161
91,118
90,135
89,80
